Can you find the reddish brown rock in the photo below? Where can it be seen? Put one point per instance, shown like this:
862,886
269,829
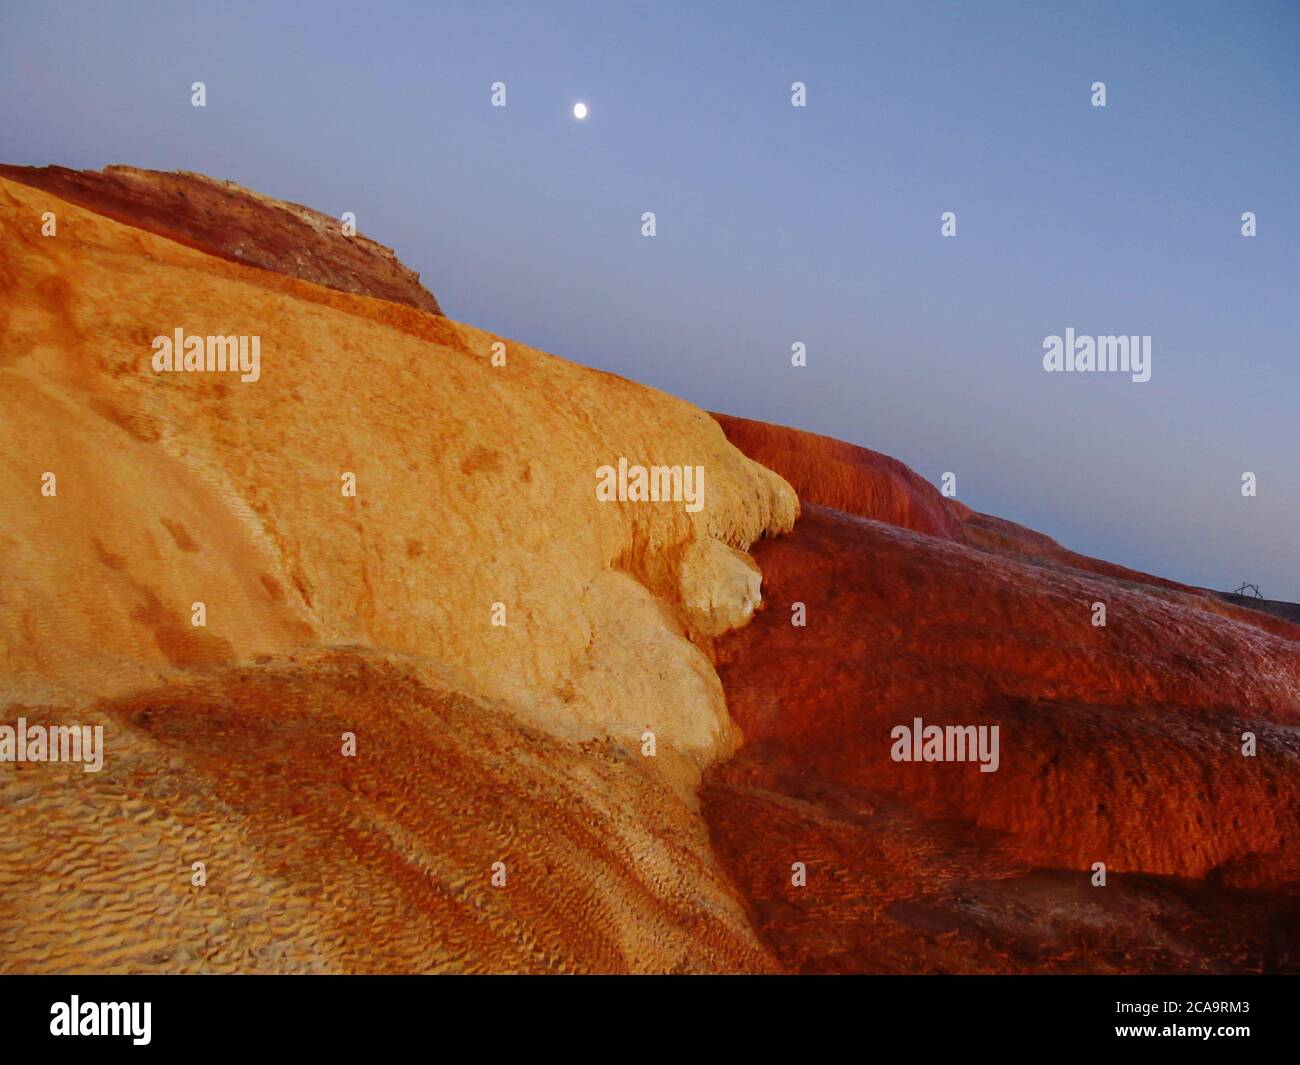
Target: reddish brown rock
382,862
1119,745
853,479
525,744
857,480
1007,538
235,223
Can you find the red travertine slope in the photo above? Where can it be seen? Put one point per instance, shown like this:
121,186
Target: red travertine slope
235,223
1008,538
1119,744
849,478
860,481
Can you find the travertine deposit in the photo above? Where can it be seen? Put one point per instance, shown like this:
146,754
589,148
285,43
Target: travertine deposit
853,479
235,223
1120,744
449,711
474,569
475,486
384,862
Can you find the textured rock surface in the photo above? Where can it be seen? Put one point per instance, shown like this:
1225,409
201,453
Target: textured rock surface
523,744
477,743
1026,545
860,481
225,219
1119,745
475,486
317,862
853,479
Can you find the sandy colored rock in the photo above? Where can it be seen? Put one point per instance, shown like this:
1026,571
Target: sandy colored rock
720,586
380,863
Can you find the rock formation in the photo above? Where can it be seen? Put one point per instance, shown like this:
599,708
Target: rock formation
366,644
224,219
1120,744
474,560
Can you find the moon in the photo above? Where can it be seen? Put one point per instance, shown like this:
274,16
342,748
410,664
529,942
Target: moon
579,111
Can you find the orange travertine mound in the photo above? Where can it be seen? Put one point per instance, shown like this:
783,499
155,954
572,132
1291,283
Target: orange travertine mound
475,486
326,613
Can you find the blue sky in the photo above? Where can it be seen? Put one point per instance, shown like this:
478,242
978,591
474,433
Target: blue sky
778,224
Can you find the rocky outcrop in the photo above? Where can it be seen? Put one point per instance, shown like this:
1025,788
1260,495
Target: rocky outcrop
390,529
853,479
363,626
235,223
857,480
474,539
1120,745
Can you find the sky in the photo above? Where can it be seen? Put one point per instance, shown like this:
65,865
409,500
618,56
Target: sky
778,224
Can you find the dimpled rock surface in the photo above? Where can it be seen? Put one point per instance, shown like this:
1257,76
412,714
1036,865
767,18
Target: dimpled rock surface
475,485
329,613
314,862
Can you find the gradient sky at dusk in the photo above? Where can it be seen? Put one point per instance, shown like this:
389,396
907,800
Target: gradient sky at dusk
778,224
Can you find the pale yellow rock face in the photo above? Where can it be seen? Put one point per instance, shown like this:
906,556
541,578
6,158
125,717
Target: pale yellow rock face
720,587
475,486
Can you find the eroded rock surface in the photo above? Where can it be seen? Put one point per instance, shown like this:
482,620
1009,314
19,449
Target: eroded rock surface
381,862
1120,744
226,219
498,640
853,479
474,486
378,615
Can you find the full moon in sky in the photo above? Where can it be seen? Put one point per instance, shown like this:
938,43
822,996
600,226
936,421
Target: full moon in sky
579,110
